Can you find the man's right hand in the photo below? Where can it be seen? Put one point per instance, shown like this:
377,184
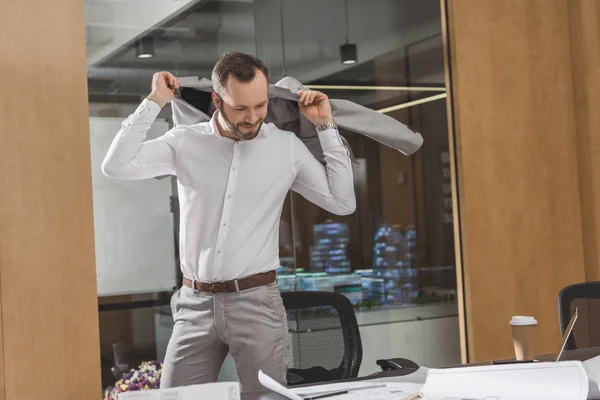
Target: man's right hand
163,86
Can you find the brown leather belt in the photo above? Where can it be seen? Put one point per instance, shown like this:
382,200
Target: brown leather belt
235,285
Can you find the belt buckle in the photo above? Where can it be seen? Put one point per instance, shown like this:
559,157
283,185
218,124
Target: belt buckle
213,285
194,287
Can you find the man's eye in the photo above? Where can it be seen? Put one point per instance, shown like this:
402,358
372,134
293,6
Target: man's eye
239,109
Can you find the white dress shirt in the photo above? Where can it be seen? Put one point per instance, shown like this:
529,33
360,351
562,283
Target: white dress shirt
231,193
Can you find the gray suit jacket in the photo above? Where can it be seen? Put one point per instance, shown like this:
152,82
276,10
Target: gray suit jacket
193,104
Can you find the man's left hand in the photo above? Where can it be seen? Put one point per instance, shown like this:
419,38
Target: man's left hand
315,106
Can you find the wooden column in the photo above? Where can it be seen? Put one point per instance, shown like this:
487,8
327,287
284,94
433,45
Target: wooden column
511,99
49,346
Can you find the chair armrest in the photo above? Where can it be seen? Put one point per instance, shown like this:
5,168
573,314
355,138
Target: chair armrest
397,363
294,379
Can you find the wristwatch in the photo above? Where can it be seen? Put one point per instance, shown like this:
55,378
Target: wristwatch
324,127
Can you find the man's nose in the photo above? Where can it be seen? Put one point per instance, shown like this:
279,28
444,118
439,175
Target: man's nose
251,117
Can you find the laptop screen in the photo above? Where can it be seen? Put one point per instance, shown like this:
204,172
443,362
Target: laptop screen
567,334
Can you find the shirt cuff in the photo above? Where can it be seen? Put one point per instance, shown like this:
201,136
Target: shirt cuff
148,109
330,139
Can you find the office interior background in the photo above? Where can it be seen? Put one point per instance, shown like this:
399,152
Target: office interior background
393,258
490,218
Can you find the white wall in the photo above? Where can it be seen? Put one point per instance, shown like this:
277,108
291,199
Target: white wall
431,343
133,224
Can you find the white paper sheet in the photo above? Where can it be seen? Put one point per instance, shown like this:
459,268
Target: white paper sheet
549,381
592,368
212,391
276,387
362,390
357,390
553,380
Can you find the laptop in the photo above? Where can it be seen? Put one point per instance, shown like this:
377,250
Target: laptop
567,334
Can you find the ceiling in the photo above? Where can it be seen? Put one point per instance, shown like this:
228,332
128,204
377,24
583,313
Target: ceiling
399,43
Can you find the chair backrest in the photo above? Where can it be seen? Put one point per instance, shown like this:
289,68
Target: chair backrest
586,298
123,359
324,337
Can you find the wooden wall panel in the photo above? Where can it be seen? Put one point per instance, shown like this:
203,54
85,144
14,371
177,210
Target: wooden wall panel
514,130
49,316
585,52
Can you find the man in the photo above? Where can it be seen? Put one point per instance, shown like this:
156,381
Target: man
233,175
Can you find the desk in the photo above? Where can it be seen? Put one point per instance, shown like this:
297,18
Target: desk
407,374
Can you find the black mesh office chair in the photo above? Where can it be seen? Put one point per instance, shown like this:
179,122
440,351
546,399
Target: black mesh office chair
586,298
123,359
324,337
325,340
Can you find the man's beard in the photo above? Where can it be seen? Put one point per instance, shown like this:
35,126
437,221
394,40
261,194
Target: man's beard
236,131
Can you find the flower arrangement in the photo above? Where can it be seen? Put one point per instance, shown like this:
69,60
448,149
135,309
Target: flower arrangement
146,377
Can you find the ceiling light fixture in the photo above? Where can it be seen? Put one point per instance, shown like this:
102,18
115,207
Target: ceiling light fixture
348,51
144,48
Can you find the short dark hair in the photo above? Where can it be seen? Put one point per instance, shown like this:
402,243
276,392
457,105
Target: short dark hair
239,65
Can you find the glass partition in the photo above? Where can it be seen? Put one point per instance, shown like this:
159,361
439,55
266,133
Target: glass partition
393,258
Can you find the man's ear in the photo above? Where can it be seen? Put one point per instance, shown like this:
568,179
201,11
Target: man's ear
216,99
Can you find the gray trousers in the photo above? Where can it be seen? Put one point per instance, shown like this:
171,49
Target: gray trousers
251,324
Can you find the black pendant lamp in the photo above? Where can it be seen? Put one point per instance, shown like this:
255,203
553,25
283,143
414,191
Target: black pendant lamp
144,48
348,52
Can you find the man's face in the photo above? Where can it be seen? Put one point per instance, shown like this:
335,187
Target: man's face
244,105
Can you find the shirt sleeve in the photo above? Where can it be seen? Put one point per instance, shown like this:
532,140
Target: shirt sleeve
330,186
130,157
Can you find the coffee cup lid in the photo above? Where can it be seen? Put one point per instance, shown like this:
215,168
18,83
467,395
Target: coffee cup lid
521,320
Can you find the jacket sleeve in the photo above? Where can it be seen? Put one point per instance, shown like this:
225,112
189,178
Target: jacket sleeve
377,126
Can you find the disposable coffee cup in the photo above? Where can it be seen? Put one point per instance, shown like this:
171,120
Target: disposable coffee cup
524,330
